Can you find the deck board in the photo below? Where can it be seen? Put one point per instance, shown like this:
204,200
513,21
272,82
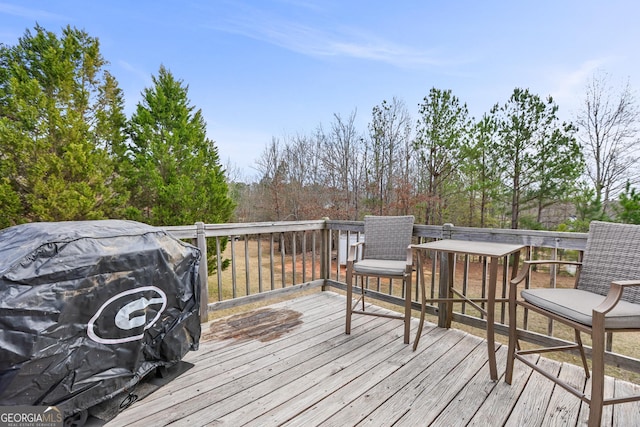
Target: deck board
311,374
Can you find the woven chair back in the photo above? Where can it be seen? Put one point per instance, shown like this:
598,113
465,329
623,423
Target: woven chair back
612,253
387,237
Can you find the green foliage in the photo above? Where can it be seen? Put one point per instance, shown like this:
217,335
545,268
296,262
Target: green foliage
174,172
480,171
588,208
175,176
442,128
529,222
60,117
629,205
539,159
64,154
9,204
588,204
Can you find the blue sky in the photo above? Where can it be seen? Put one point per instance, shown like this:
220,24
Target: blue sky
260,69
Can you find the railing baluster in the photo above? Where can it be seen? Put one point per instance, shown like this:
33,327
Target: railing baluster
304,256
337,253
485,264
271,257
329,232
282,261
233,267
246,264
552,284
259,240
313,255
294,236
219,268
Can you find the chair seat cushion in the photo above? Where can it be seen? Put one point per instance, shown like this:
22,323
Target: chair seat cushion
577,305
380,267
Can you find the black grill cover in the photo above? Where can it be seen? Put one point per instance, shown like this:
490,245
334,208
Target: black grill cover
88,308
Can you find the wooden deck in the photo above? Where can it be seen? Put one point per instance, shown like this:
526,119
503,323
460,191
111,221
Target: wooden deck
298,368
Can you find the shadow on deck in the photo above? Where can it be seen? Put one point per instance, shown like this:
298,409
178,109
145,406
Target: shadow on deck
299,368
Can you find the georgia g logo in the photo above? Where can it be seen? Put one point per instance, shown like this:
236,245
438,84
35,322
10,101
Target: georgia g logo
125,316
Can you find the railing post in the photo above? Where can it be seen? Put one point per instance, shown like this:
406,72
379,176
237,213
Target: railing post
325,253
444,283
201,242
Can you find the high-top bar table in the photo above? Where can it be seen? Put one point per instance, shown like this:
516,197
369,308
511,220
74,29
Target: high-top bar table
494,251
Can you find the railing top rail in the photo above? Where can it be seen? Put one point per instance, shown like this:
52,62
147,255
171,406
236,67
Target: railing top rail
262,227
549,239
538,238
235,229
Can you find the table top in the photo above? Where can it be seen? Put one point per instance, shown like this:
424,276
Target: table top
489,249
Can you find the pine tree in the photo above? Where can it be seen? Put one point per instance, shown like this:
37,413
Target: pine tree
61,120
175,176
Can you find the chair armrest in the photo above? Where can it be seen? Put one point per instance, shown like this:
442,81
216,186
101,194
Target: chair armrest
552,261
613,296
353,250
527,266
410,255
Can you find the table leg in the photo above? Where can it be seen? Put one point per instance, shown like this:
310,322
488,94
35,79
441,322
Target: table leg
516,264
445,307
451,260
407,305
491,302
423,298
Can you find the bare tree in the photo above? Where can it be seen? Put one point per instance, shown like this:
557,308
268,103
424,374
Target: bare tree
388,157
608,131
305,200
272,168
341,156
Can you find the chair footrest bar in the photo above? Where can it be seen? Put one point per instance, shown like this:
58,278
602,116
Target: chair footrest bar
555,379
369,313
627,399
548,349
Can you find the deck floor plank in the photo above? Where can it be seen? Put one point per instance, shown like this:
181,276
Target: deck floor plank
626,414
243,358
533,402
348,403
564,407
430,405
422,385
607,411
303,372
221,382
352,367
464,405
313,374
434,347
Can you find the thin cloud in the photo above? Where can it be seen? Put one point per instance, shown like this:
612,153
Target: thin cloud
139,73
570,85
303,4
29,13
312,41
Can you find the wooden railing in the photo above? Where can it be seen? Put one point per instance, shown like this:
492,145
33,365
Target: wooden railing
265,260
244,278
